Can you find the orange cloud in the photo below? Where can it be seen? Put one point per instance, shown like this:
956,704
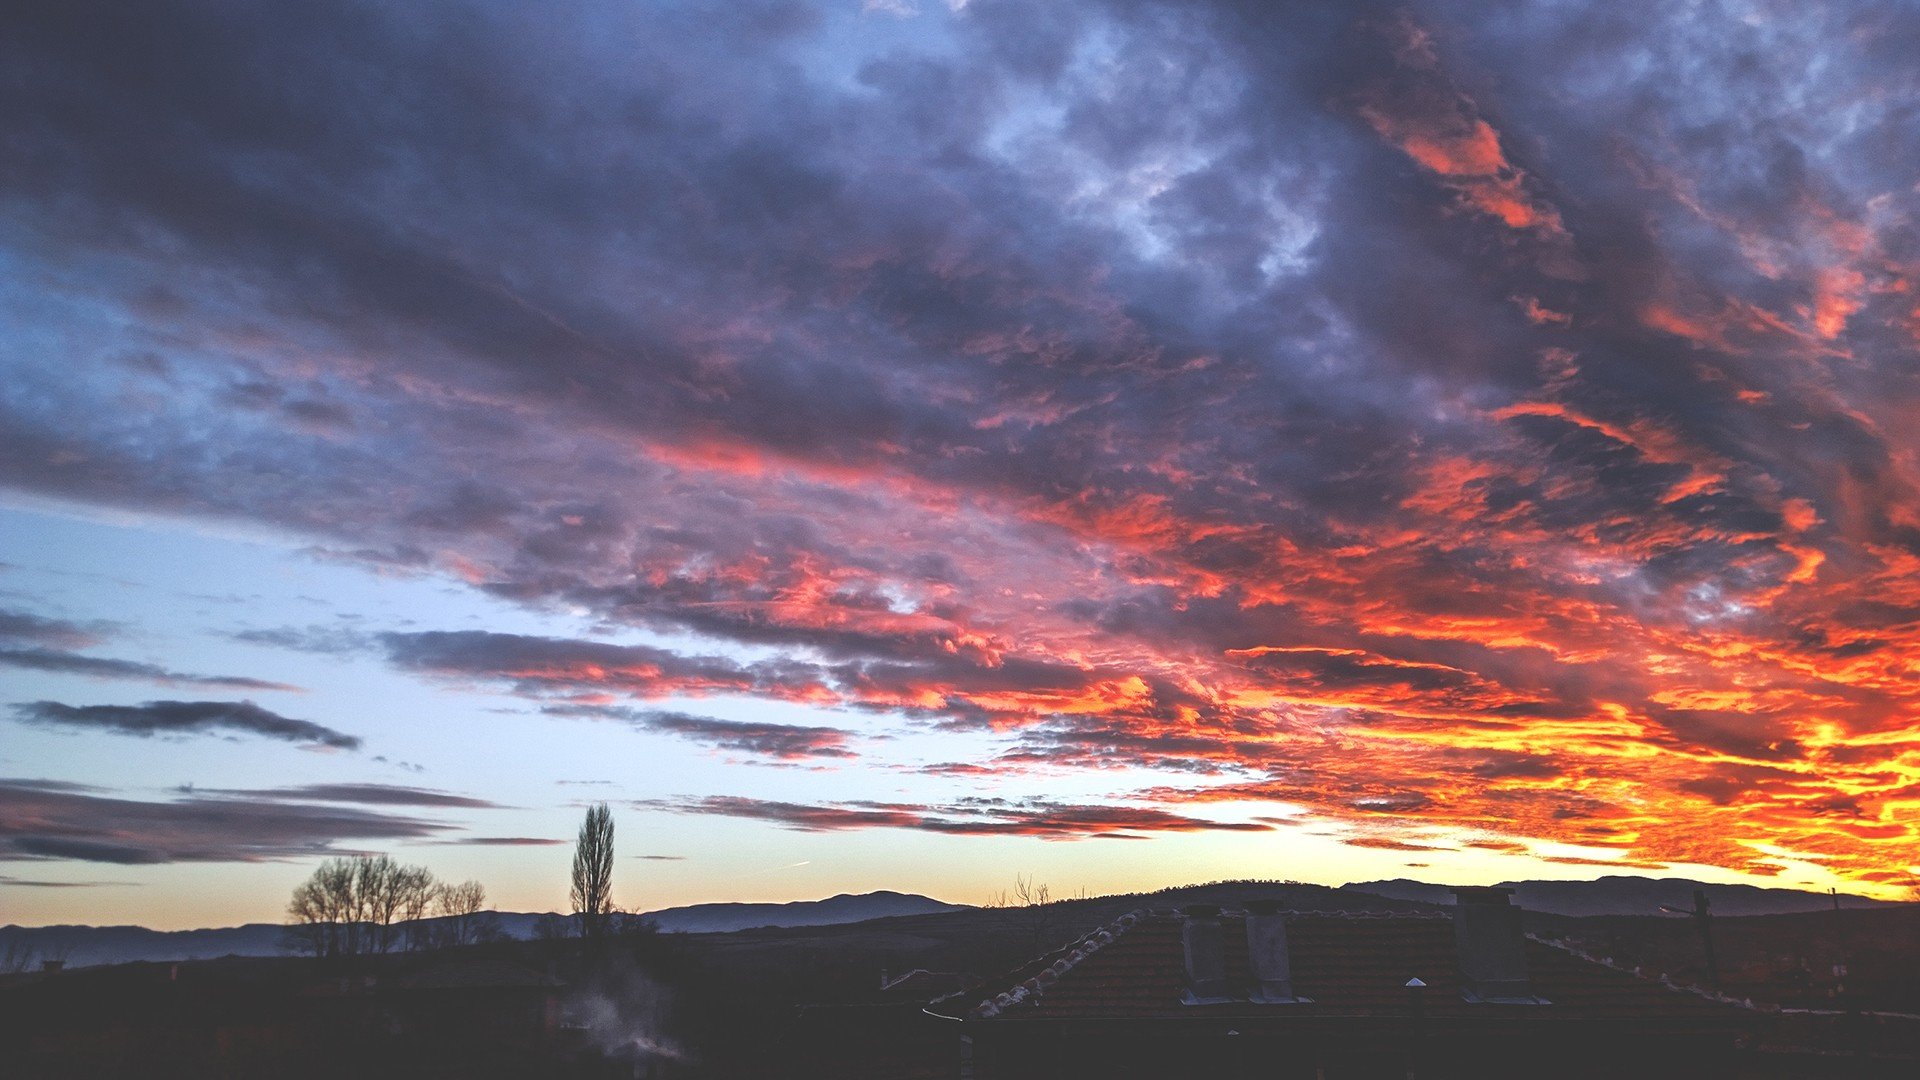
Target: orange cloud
1419,111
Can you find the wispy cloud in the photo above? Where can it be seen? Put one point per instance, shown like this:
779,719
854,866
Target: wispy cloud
781,742
980,817
51,820
60,662
34,643
503,841
183,717
37,883
365,794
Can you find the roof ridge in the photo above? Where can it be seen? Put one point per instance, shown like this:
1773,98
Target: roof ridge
1640,973
1069,955
1337,913
1670,983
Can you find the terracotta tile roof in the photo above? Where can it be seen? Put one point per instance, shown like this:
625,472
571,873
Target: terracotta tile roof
1348,964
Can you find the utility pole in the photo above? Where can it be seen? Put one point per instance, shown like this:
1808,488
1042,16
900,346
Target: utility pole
1703,922
1839,946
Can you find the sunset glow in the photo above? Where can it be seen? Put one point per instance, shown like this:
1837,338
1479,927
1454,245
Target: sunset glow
1474,440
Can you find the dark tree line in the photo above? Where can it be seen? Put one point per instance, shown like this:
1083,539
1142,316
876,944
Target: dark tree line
372,904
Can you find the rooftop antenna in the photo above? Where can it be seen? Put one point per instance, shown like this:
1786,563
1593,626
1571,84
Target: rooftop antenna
1703,922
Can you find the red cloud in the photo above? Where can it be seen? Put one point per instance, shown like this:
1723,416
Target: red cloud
1428,119
1259,440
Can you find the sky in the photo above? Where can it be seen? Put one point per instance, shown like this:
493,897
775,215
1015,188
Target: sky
914,444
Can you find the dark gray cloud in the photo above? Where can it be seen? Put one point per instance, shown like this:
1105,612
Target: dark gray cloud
60,662
503,841
967,817
781,741
332,640
36,643
34,883
26,627
49,820
1213,386
364,794
784,742
183,717
543,665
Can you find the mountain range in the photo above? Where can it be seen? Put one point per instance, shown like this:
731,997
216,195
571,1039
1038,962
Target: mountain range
90,945
83,946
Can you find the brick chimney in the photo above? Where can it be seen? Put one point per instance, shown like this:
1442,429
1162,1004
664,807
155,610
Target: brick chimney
1267,956
1206,954
1492,946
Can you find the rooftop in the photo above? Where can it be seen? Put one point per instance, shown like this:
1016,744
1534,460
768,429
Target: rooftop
1344,965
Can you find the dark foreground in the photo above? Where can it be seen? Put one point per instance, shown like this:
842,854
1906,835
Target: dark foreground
854,1002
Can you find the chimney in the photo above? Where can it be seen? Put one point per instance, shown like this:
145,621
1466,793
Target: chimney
1267,957
1206,954
1492,946
52,967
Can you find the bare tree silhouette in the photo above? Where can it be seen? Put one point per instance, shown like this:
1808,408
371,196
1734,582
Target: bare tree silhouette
17,957
351,905
463,922
1027,911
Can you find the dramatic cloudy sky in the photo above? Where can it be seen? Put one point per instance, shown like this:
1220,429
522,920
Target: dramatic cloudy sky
910,443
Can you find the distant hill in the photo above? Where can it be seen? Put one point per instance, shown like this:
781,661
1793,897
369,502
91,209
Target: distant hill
845,908
85,946
1620,895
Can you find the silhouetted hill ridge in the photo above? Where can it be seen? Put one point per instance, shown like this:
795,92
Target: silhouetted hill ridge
843,908
1628,895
